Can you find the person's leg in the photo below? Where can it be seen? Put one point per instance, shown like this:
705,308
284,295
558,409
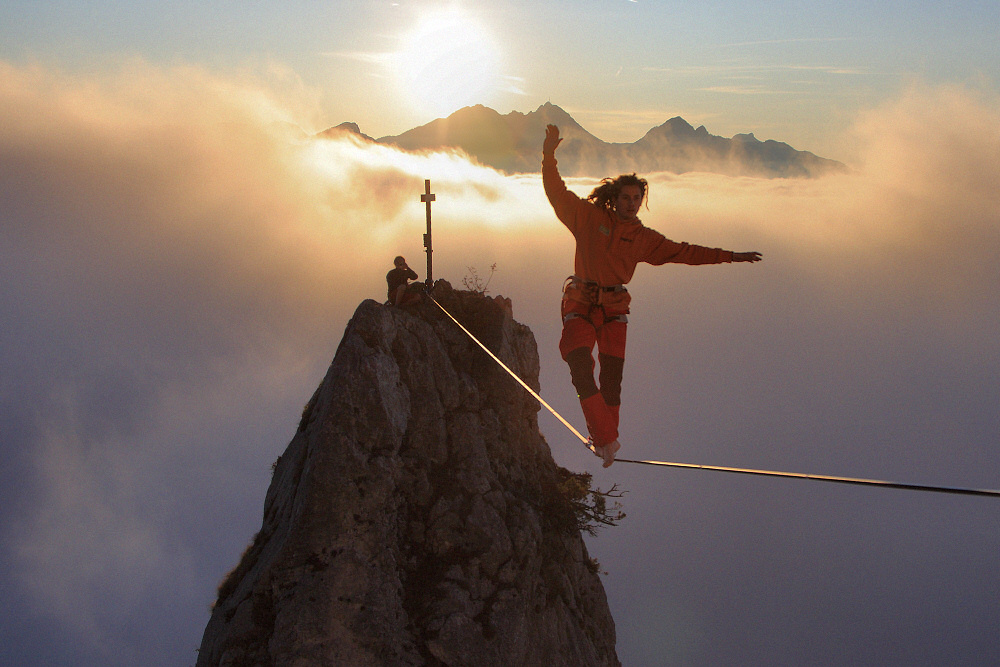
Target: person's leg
581,372
600,420
576,345
611,355
399,295
611,382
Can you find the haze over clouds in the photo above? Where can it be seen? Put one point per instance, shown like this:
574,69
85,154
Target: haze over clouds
180,262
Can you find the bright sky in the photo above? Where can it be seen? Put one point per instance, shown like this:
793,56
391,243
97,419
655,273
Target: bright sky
792,71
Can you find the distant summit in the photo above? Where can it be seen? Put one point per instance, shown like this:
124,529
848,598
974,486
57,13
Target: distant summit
512,143
344,128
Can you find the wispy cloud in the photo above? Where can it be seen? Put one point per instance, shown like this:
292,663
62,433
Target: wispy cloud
727,69
745,90
513,84
799,40
370,57
758,79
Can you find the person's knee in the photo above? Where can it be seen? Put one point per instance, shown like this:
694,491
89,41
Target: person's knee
581,371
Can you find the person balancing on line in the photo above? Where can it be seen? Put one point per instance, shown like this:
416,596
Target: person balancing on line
610,242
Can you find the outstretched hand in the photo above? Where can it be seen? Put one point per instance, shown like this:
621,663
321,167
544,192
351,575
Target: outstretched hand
752,256
552,140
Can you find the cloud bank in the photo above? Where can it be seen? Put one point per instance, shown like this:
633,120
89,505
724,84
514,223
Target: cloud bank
180,261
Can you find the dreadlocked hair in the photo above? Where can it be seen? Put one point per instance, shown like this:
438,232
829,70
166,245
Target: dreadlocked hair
605,194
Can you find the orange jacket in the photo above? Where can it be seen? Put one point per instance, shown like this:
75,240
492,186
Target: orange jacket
608,248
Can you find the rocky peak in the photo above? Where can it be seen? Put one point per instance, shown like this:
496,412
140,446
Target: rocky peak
550,113
417,516
678,125
342,129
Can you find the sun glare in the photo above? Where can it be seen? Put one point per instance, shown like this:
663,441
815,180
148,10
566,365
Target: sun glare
446,62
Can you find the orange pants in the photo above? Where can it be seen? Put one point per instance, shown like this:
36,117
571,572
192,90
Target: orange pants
585,326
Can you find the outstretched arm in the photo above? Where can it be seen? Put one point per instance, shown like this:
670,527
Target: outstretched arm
652,247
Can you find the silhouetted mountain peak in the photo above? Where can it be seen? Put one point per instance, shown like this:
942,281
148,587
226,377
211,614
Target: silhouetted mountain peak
675,128
351,128
512,143
550,114
477,112
554,114
679,125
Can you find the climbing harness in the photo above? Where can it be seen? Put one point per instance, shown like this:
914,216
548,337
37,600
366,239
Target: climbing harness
594,296
591,289
591,302
743,471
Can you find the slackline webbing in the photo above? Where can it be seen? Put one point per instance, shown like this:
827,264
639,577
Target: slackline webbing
743,471
513,375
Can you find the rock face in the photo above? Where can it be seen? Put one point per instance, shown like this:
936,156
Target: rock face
417,517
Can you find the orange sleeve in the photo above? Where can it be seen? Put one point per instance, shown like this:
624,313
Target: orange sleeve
569,208
656,249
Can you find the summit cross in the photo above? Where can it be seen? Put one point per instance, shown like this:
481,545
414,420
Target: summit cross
427,198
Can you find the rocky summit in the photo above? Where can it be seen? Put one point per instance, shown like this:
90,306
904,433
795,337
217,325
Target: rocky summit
417,516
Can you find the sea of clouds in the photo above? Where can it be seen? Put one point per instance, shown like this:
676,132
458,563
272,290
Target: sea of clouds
179,260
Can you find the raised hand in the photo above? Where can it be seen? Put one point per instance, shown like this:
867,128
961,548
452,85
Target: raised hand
552,140
752,256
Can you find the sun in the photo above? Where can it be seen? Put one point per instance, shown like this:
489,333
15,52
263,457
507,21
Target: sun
446,62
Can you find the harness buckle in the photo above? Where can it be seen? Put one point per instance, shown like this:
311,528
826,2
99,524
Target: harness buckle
592,291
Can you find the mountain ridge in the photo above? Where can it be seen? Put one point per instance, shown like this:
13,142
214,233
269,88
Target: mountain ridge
511,143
